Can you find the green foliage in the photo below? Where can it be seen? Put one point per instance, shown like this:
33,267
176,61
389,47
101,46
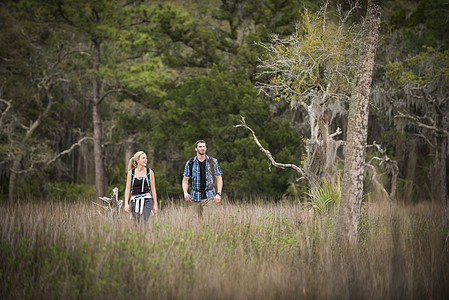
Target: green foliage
325,195
208,107
319,58
71,191
420,22
164,55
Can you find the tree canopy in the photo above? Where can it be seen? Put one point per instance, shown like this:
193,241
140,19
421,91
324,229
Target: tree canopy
83,82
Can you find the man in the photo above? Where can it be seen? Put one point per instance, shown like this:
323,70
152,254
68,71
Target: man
202,169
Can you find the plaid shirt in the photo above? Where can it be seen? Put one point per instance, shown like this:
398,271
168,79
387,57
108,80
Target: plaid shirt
195,193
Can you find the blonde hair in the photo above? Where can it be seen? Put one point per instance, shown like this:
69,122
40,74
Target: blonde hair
133,161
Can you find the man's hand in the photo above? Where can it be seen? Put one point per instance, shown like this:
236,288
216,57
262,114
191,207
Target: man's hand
187,197
217,198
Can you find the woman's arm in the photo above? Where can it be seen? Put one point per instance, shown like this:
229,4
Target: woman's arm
127,190
153,191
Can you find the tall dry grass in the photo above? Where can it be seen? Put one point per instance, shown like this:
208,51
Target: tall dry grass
66,250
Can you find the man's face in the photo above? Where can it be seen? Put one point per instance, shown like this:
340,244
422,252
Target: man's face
201,148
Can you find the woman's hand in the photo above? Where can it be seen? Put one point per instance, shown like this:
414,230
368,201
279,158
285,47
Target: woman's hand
126,207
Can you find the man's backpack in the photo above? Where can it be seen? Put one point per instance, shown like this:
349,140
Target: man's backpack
133,171
211,164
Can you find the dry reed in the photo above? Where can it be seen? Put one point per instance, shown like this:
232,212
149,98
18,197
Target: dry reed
68,250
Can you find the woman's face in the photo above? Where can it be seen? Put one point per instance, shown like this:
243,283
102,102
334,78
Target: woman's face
142,161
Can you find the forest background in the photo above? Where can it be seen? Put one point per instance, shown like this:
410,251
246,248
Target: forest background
105,79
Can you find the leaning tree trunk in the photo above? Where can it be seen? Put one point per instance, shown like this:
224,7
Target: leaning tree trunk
352,184
100,179
44,91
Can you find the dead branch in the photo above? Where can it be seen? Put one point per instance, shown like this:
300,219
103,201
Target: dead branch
5,112
117,91
268,154
437,130
69,150
432,145
113,204
30,169
392,167
376,182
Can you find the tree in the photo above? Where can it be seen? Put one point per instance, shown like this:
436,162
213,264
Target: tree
352,184
32,80
416,93
116,36
202,107
312,70
244,23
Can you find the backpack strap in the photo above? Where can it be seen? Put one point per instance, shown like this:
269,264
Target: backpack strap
211,164
148,177
133,176
212,167
191,166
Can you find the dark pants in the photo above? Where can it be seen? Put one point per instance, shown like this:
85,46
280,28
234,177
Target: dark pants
146,213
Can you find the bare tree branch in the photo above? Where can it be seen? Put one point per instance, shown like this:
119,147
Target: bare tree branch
391,166
437,130
268,154
5,112
432,145
69,150
23,171
376,182
117,91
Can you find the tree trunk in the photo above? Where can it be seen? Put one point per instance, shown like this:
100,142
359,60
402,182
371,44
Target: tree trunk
43,113
100,179
128,152
13,179
352,184
401,147
445,154
409,171
438,176
443,165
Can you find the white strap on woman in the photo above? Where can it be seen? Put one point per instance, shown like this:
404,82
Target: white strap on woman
140,201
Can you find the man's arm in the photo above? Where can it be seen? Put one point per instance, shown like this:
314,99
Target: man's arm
217,197
185,187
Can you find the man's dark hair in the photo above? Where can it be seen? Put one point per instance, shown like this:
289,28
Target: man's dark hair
199,141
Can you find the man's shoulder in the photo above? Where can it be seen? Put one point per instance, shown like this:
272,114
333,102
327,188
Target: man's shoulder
213,159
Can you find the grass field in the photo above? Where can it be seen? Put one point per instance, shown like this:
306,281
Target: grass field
68,250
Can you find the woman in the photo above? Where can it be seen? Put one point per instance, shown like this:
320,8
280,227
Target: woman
141,183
